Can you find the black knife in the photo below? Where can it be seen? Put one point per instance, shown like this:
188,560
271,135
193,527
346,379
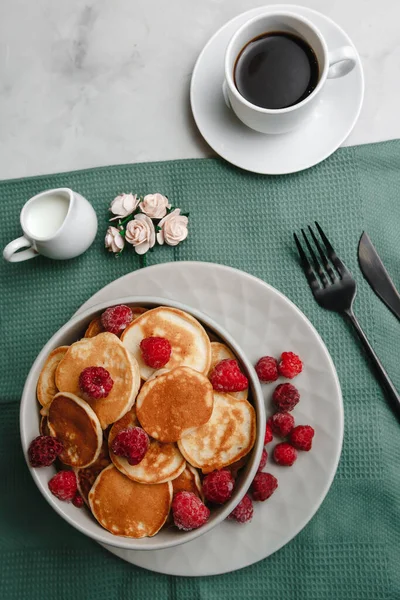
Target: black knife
377,276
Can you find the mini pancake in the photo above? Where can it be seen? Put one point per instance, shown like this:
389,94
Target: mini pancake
228,436
75,424
46,385
174,404
128,508
188,481
162,462
95,327
137,311
157,374
44,426
221,352
86,477
105,350
189,341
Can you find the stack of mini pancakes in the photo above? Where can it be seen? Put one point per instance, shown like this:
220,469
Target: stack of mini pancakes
193,429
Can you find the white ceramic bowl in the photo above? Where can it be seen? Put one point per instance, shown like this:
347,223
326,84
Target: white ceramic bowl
81,518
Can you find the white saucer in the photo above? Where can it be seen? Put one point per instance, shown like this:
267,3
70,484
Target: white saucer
263,321
315,140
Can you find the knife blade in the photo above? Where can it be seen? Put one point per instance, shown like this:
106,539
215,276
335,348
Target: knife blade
375,273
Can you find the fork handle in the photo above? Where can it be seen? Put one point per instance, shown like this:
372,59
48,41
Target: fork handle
384,379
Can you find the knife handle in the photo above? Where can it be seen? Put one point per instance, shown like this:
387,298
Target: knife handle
384,379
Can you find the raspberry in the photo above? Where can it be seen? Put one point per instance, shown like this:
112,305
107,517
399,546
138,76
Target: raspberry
243,513
263,460
63,485
281,423
44,450
96,382
290,365
188,511
156,351
285,454
302,436
131,443
263,486
78,500
268,434
116,318
218,486
227,377
267,369
285,396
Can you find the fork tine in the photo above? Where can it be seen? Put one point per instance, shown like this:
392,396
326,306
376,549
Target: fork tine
315,260
307,268
340,267
323,256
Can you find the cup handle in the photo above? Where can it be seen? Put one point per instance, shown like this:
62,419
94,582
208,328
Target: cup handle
341,61
10,251
225,94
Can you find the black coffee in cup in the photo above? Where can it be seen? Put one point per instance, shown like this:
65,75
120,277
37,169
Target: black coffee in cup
276,70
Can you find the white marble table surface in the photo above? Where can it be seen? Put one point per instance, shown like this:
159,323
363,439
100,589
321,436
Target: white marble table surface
86,83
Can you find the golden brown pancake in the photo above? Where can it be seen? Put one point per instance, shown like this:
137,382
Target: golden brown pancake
228,436
107,351
127,508
86,477
189,341
46,385
95,327
188,481
162,462
137,311
75,424
220,352
44,426
174,403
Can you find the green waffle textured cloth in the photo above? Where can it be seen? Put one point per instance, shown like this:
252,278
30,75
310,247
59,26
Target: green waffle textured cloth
350,550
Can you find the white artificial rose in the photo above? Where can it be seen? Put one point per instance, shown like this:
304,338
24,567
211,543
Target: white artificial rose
154,206
173,228
123,205
140,233
114,241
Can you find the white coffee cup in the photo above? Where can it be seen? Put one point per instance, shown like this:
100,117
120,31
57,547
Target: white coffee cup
332,64
58,223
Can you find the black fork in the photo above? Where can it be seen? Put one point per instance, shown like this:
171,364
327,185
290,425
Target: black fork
334,288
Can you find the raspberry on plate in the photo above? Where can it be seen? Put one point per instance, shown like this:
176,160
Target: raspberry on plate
43,451
268,434
285,397
227,377
132,443
263,461
267,369
77,500
116,318
281,423
290,365
188,511
218,486
301,437
243,512
96,382
285,454
63,485
156,351
263,486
